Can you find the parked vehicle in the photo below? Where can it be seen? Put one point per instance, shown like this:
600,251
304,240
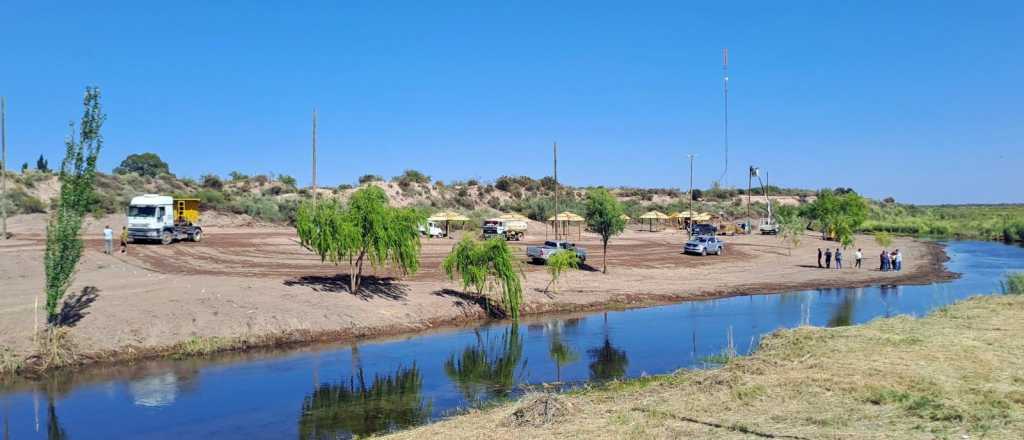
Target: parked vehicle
431,229
540,254
703,245
729,228
153,217
507,229
768,227
703,229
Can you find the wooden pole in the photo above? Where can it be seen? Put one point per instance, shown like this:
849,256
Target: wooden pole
314,154
556,189
3,167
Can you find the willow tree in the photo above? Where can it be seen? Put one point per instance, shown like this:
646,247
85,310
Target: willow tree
64,245
791,226
558,263
485,267
604,216
367,230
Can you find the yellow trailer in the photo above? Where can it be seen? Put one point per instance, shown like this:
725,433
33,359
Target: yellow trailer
186,212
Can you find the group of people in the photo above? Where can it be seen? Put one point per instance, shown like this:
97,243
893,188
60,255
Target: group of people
890,261
108,240
838,256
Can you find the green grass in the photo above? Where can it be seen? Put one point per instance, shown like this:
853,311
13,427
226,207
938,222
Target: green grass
984,222
1014,284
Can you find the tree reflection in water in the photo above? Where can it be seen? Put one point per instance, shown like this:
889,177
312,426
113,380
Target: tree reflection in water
560,352
388,403
53,429
842,316
608,362
487,369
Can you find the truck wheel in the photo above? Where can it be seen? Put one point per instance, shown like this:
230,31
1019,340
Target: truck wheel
196,236
166,238
704,252
720,251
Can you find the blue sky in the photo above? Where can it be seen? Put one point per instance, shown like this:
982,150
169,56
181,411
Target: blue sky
916,100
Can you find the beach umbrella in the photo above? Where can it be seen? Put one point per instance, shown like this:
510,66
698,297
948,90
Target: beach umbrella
653,216
447,217
568,218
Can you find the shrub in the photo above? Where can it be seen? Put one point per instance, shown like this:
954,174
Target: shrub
411,177
20,202
237,176
211,181
287,180
367,178
1014,284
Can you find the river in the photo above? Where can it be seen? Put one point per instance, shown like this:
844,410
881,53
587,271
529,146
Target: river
335,391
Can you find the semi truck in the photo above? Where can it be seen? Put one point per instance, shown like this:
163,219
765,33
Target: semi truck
166,219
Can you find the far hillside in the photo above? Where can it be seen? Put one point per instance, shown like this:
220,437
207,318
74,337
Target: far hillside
275,198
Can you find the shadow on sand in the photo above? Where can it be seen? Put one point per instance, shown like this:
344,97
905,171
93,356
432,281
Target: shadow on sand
465,299
74,307
370,287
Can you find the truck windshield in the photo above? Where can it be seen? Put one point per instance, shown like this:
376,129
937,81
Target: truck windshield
141,211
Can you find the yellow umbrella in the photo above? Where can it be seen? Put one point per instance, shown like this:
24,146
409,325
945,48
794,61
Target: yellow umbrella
702,217
448,217
625,218
567,217
652,216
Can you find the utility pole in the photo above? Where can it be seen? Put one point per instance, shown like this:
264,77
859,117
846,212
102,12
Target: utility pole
556,189
314,154
691,184
750,178
3,166
725,88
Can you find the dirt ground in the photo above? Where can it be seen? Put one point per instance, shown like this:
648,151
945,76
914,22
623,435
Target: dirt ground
250,279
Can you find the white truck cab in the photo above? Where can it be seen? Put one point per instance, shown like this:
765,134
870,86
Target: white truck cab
156,217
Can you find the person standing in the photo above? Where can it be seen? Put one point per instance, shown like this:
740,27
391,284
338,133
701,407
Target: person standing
124,239
839,258
858,257
883,261
828,258
897,260
108,240
819,258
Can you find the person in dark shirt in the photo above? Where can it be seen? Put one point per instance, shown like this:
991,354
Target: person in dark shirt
819,258
828,258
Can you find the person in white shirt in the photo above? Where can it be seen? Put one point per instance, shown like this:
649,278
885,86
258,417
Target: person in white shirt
858,256
108,240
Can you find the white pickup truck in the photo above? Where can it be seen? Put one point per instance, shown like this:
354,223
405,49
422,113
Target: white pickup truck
540,254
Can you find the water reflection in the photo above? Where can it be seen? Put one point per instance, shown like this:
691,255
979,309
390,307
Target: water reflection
608,362
54,430
486,369
356,408
560,352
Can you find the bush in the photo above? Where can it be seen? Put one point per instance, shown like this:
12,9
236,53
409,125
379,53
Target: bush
410,177
237,176
287,180
1014,284
211,181
367,178
20,202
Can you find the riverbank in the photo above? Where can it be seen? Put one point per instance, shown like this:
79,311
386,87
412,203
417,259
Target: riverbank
246,287
955,373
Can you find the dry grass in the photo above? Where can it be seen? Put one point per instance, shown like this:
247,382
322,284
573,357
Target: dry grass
958,372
